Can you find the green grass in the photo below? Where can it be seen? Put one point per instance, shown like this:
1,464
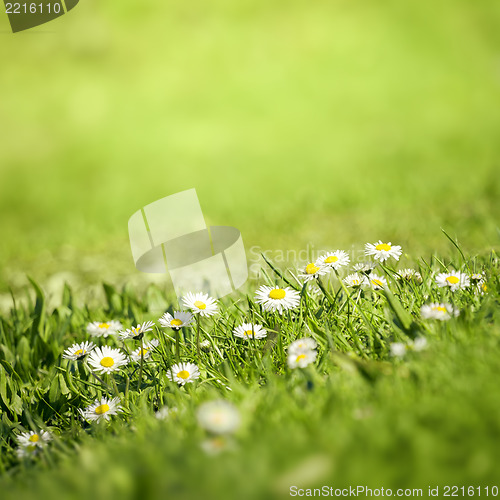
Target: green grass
357,416
306,125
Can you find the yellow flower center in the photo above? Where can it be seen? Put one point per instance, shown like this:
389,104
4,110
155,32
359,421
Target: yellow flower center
452,280
249,332
79,352
176,322
331,259
107,362
355,282
34,438
377,282
144,351
484,287
200,305
277,294
300,356
183,374
312,269
441,308
383,246
104,325
101,409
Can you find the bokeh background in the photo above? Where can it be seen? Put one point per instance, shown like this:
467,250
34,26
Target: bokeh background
332,122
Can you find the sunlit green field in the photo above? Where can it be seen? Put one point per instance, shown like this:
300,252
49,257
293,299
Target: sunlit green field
318,125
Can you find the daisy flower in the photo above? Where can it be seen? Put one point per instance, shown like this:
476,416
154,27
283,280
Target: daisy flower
218,417
383,251
165,412
183,373
200,303
302,345
276,298
479,280
399,349
454,280
106,359
33,438
312,271
355,280
101,410
410,274
146,350
248,330
438,311
177,321
27,451
138,331
365,267
103,329
216,445
377,282
301,359
78,351
334,260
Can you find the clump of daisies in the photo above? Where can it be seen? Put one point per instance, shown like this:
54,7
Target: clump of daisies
101,409
399,349
250,331
455,280
302,352
382,251
277,299
438,311
103,328
183,373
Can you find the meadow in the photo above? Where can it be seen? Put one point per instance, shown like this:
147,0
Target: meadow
310,127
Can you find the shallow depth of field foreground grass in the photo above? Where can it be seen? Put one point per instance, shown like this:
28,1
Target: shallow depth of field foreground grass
357,415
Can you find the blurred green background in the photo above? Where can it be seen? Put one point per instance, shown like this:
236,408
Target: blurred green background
329,122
